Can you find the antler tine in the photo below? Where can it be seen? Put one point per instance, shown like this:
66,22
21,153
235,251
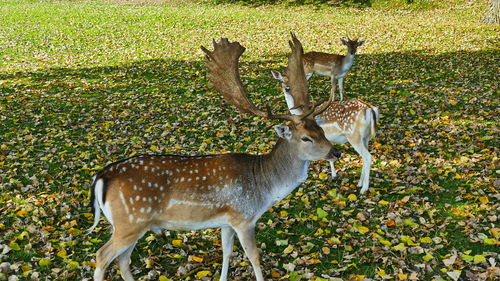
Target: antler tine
223,73
347,35
296,74
317,109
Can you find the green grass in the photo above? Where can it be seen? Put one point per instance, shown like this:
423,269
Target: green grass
86,83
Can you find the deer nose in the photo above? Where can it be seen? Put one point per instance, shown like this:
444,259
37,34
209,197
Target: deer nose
333,154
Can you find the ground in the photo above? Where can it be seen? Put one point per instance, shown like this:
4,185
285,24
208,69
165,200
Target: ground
86,83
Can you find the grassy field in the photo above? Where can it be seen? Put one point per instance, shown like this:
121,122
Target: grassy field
86,83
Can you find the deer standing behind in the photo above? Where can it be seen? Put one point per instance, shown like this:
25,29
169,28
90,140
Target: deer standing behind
352,121
334,66
230,191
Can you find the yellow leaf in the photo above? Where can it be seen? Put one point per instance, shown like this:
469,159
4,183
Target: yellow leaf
490,241
402,276
359,277
48,228
453,102
383,202
322,176
197,259
44,262
14,246
177,242
427,257
283,213
479,258
275,274
427,240
363,229
352,197
203,273
62,253
399,247
484,199
288,249
385,242
244,263
72,265
164,278
381,273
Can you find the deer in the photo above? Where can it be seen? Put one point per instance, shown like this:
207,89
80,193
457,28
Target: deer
227,191
352,121
332,65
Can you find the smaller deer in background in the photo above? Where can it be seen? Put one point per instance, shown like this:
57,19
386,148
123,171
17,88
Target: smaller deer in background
335,66
352,121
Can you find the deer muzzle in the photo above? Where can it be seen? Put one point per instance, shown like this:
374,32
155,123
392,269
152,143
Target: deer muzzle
333,154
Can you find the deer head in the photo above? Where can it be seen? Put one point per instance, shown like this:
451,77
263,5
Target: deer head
352,45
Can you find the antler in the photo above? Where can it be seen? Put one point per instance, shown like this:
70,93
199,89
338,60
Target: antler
296,74
347,35
223,72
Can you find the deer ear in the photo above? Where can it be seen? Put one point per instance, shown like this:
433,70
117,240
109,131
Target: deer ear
361,43
283,131
308,76
277,75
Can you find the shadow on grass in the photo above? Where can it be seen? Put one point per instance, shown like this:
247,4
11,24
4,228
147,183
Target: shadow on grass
59,125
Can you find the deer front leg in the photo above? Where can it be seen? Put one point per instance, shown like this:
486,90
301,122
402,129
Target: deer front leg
332,168
247,240
334,87
227,249
341,88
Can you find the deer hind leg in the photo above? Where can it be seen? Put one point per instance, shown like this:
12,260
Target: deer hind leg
117,246
359,145
246,235
227,249
124,263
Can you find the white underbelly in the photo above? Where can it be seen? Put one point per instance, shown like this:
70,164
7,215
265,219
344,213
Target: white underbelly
182,225
340,139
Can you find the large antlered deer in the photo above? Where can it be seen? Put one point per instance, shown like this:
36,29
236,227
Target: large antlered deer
230,191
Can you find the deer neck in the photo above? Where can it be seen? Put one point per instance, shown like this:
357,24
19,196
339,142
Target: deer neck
348,60
279,172
291,104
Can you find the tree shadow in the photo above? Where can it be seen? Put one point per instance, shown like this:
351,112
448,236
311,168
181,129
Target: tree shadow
72,120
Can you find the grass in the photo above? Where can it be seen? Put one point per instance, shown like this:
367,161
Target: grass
86,83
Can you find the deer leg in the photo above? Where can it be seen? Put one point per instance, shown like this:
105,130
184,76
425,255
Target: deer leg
227,249
334,87
341,88
116,246
247,240
332,168
359,145
124,263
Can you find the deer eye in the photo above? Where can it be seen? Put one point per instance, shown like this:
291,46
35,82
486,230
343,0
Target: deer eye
306,139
